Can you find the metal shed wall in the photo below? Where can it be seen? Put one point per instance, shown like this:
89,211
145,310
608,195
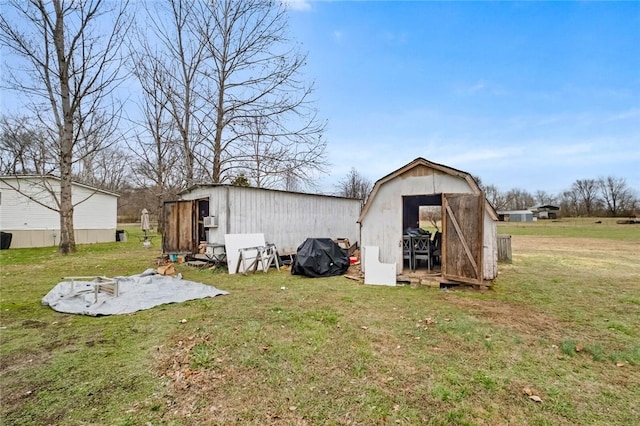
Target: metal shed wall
285,218
382,225
517,215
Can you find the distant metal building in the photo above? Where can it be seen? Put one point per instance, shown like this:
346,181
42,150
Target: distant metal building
469,231
515,216
207,212
546,212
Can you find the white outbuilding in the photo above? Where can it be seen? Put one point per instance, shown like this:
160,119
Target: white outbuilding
468,250
28,211
208,212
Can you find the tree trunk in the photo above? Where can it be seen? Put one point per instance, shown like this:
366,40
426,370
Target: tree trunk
67,237
217,144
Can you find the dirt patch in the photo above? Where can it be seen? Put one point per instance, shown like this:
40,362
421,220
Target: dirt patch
21,361
525,243
517,318
217,394
33,324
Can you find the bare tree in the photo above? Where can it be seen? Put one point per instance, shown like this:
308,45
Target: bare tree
617,196
519,199
99,160
171,67
586,192
159,160
111,169
570,203
497,198
257,72
478,180
71,52
354,185
543,197
24,147
272,162
232,86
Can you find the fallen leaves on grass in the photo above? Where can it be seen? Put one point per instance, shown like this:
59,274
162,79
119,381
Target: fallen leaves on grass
425,323
531,394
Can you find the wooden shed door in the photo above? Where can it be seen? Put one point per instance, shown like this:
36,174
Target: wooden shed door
180,226
462,231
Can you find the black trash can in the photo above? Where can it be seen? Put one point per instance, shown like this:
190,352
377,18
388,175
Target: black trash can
5,240
120,235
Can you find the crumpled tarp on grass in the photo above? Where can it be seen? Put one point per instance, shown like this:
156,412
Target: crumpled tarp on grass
136,293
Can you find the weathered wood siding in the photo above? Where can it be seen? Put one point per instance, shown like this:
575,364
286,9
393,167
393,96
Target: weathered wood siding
490,246
33,225
504,248
462,229
180,235
382,225
285,218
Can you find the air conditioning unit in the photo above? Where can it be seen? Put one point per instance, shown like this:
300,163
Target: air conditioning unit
210,222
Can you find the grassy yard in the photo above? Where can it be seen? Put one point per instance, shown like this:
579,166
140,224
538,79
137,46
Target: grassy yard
561,323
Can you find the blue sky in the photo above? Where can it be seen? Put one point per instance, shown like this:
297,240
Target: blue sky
530,95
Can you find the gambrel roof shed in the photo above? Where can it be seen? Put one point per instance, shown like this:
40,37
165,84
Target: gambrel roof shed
469,231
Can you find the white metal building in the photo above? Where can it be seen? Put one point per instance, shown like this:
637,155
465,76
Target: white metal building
207,212
469,231
516,215
24,212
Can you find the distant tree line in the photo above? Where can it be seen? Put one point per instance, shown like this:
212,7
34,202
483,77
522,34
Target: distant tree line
604,196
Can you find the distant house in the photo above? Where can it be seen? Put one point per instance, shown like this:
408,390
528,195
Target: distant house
28,212
546,212
515,215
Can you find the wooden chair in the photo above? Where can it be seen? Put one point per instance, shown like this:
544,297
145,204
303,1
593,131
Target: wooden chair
422,250
407,250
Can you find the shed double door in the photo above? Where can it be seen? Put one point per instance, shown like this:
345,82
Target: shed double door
462,237
180,226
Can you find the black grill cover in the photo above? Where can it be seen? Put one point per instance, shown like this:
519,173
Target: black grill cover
320,257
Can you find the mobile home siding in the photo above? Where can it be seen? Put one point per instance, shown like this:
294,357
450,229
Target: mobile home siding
285,218
34,225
